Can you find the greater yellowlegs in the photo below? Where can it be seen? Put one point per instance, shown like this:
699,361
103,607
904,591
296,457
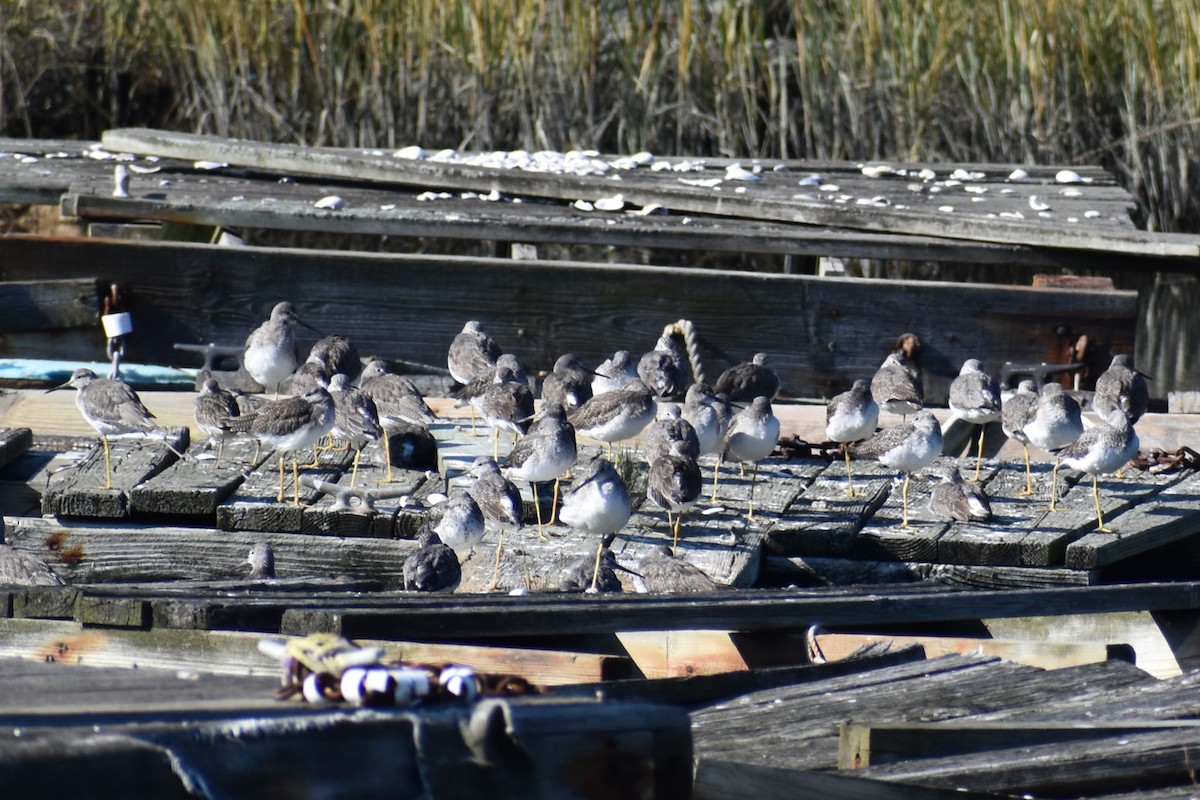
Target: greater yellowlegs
954,498
472,354
355,419
397,401
615,416
544,453
585,576
662,369
570,382
112,408
597,503
289,425
433,567
897,387
338,355
1101,450
261,561
675,483
851,417
1121,386
506,404
214,407
752,435
614,373
1055,422
1015,414
457,520
700,409
270,352
660,571
975,397
748,380
907,447
497,497
670,427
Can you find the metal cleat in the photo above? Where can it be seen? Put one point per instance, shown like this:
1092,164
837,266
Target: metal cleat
357,499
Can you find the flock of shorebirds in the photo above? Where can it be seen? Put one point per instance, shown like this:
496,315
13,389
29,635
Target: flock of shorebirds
335,398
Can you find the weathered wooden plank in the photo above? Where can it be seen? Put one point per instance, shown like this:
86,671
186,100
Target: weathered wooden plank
867,744
255,505
195,488
718,779
1047,655
14,442
77,492
672,654
822,333
784,205
135,553
49,305
811,570
1113,763
823,521
1172,515
236,652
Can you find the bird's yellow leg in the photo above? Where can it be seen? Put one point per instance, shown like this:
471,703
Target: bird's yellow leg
1054,484
753,478
1028,475
496,566
904,498
849,478
979,458
1096,497
295,482
107,464
596,569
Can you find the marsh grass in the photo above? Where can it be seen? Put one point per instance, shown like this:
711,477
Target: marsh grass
1046,81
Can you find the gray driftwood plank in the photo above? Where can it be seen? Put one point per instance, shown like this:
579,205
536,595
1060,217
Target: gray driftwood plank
14,442
255,505
195,488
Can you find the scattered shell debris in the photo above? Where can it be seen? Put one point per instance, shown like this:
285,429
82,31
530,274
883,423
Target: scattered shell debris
330,201
1018,174
1038,204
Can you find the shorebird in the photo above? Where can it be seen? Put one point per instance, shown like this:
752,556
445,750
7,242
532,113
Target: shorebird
397,402
668,428
270,352
1015,413
675,483
569,383
355,418
472,354
954,498
308,375
897,387
851,417
433,567
338,355
1121,386
457,520
112,408
584,576
660,571
907,447
614,373
1102,450
1053,423
752,435
18,568
748,380
615,416
544,453
597,503
261,561
663,368
289,425
497,497
214,407
975,397
506,404
700,409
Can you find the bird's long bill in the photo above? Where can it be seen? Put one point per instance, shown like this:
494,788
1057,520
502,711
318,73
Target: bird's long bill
627,569
306,325
66,385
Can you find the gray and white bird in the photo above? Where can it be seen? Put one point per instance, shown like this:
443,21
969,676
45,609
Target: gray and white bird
660,571
851,417
700,410
569,383
213,408
270,351
472,354
338,355
955,499
546,452
586,576
289,425
457,520
897,388
1015,414
261,561
908,447
675,483
752,435
398,403
615,416
597,504
433,566
112,408
1054,422
664,368
506,404
670,427
748,380
1121,386
975,398
1102,450
355,418
497,497
614,373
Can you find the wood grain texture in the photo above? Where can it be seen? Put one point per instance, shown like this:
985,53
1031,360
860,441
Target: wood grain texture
49,305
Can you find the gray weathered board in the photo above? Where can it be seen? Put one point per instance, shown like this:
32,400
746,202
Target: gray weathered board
776,195
821,333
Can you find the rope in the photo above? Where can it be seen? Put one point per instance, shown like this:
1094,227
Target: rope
691,342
